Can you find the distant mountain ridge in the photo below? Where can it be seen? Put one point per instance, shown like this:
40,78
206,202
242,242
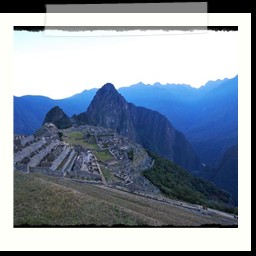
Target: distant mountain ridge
208,116
30,111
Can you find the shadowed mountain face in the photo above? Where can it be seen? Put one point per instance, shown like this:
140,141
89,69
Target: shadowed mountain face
149,128
227,174
57,117
208,116
110,109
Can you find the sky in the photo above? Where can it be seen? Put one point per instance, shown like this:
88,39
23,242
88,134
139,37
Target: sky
61,64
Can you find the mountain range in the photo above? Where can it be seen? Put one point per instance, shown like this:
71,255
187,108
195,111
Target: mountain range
30,111
207,116
149,128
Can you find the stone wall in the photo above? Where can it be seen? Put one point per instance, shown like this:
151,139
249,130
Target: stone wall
25,152
60,158
70,162
22,167
26,139
45,171
85,175
35,160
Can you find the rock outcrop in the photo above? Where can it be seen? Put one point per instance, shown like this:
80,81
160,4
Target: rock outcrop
57,116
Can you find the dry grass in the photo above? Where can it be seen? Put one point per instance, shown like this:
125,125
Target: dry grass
43,200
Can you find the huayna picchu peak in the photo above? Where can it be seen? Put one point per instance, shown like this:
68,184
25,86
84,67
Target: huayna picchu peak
108,87
147,127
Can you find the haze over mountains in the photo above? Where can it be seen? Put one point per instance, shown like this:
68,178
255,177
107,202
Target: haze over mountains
208,116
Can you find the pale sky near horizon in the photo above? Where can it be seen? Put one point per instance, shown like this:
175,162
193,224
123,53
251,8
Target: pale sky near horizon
61,66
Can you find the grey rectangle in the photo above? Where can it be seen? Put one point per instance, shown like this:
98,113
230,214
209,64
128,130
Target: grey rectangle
188,7
124,28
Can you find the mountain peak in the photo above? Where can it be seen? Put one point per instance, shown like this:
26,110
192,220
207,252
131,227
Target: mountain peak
108,87
57,116
106,94
151,129
107,91
109,109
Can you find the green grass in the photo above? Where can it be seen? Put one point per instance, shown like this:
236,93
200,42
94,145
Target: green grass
88,145
103,155
76,135
179,184
78,138
91,140
109,176
43,200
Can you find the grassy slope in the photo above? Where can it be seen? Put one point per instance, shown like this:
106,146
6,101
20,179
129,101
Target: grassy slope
103,155
177,183
77,138
109,176
43,200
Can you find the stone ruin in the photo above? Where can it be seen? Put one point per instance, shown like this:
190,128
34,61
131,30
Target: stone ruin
46,152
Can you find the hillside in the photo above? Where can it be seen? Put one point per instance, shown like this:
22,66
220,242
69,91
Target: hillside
227,174
46,201
177,183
